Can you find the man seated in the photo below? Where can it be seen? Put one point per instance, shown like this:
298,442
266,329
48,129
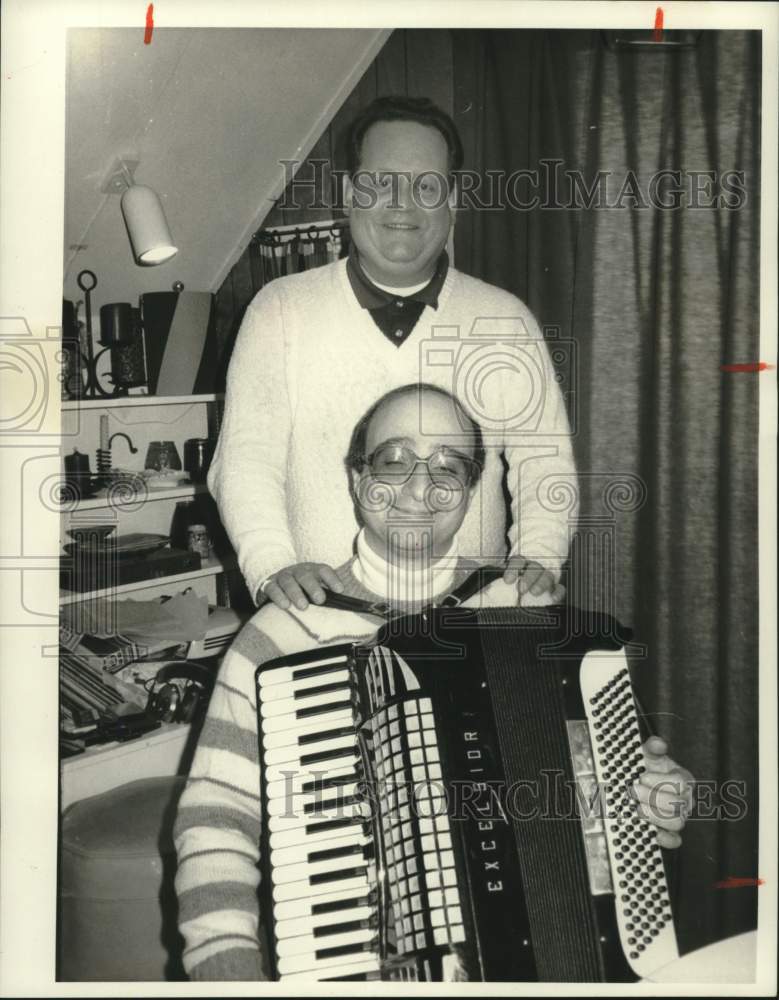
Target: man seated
412,489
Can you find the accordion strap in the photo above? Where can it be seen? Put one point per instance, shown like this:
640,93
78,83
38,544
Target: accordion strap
470,586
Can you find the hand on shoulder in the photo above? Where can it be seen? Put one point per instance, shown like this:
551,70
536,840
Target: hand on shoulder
300,584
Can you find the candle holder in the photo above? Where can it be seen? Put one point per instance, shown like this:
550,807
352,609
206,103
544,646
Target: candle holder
119,334
87,282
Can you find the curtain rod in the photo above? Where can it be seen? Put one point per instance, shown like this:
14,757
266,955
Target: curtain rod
274,235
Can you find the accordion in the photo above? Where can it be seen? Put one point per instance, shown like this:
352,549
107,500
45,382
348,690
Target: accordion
451,801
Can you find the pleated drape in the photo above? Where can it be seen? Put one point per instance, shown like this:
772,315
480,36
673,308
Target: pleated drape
653,302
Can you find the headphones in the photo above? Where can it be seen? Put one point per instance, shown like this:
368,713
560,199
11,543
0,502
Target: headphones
183,692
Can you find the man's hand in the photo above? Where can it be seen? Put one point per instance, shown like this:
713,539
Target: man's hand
300,584
532,577
664,792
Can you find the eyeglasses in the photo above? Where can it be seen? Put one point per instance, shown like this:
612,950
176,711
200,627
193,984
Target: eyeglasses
394,464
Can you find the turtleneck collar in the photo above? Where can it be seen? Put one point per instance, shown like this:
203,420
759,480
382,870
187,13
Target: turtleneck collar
410,584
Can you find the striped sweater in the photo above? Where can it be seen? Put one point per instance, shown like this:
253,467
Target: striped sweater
217,828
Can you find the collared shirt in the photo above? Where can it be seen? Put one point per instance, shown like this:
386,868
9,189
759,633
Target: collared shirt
395,315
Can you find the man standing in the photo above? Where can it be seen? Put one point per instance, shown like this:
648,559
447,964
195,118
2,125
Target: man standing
316,349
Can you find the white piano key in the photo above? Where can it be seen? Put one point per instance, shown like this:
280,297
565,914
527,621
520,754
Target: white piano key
291,706
292,872
303,889
301,963
284,819
292,783
314,838
280,691
285,675
297,753
291,723
369,963
296,909
309,727
302,805
308,944
299,853
305,926
289,769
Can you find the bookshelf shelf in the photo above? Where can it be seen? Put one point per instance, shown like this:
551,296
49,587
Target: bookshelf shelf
115,402
130,503
210,567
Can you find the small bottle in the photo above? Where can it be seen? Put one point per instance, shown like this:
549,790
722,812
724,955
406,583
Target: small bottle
199,541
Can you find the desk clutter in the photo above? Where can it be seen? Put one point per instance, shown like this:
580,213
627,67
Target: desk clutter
127,666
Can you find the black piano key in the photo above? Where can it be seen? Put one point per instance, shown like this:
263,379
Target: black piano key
321,783
348,949
344,928
340,904
355,977
323,755
325,734
315,807
335,852
332,824
336,876
320,689
333,706
323,668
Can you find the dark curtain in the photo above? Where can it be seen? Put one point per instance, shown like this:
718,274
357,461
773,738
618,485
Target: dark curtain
647,303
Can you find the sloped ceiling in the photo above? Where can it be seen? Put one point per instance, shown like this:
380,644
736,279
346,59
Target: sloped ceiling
208,113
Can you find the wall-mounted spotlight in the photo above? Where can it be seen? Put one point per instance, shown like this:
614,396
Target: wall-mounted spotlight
143,215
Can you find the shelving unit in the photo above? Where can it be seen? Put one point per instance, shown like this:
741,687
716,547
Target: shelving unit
144,419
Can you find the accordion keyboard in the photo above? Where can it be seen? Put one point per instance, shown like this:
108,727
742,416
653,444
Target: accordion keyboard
321,859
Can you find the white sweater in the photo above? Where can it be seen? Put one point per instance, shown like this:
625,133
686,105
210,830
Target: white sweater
309,361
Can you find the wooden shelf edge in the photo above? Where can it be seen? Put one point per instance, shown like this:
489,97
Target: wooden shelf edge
114,402
121,503
213,567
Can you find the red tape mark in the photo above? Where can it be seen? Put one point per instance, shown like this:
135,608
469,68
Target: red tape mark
658,35
731,882
149,24
757,366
